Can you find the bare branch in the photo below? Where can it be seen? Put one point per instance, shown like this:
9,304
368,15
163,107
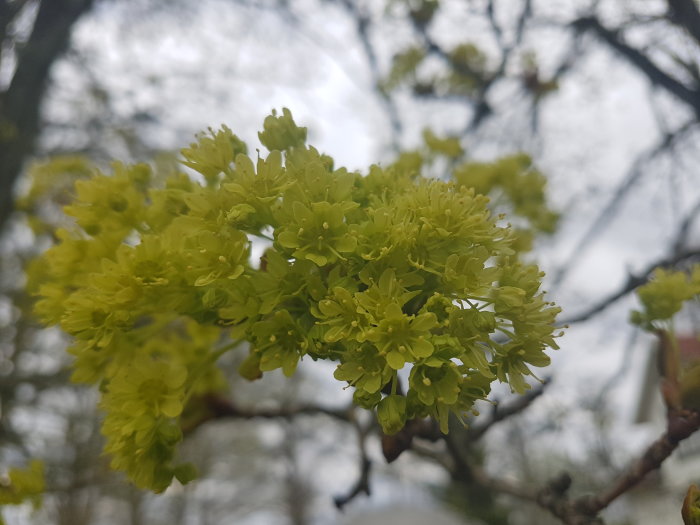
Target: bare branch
522,20
584,510
217,407
361,486
21,103
633,281
633,175
685,13
638,59
499,414
684,230
362,23
681,425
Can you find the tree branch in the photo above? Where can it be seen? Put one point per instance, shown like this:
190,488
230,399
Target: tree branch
213,407
684,230
653,73
633,175
585,510
681,425
361,486
21,103
685,13
515,407
362,23
633,281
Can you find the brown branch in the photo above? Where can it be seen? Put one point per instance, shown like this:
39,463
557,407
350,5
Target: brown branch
213,407
585,510
681,425
396,444
654,74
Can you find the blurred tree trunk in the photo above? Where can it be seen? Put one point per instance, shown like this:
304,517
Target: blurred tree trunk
20,103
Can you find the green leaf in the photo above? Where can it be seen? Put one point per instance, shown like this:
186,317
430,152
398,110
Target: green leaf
186,472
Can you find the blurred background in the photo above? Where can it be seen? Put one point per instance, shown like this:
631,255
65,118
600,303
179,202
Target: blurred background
603,94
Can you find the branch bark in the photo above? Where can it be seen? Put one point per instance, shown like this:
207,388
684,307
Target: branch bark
584,510
20,105
681,425
215,407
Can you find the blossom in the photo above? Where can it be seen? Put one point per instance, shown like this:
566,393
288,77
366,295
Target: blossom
318,233
403,338
281,133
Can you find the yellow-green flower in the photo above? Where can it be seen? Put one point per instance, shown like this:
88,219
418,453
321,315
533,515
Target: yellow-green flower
402,338
318,233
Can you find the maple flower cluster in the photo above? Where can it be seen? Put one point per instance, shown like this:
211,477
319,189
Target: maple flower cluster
388,274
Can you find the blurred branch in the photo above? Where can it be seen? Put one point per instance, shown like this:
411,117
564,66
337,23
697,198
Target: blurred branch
362,24
20,104
633,281
217,407
39,381
681,425
638,59
481,107
491,14
684,230
633,175
362,484
498,414
8,12
584,510
685,13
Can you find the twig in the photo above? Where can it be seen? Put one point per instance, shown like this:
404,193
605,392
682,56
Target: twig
362,484
362,23
686,14
638,59
684,230
217,407
633,175
681,425
633,281
499,414
584,510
